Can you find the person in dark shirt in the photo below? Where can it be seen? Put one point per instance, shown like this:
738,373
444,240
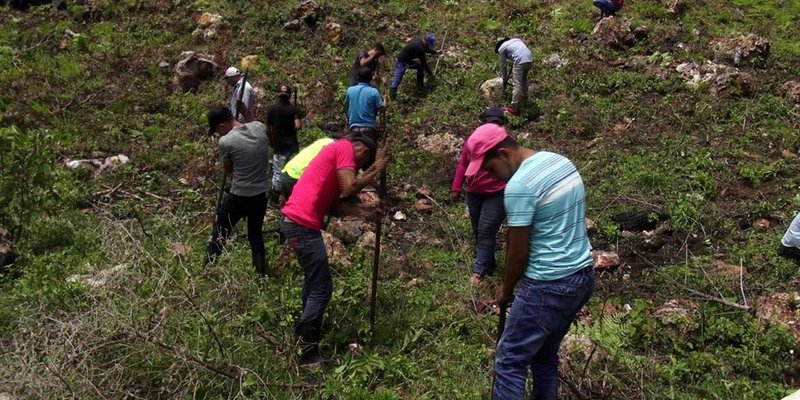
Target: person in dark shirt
283,121
412,56
371,58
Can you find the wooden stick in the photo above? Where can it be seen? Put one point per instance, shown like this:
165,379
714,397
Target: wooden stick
436,67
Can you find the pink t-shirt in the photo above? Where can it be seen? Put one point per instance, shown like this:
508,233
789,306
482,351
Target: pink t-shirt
318,187
480,183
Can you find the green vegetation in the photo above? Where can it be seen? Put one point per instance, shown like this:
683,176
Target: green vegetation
164,327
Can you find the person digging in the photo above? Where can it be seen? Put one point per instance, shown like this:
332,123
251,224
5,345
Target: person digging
548,257
412,56
234,78
321,190
484,198
245,151
363,103
283,121
369,58
521,61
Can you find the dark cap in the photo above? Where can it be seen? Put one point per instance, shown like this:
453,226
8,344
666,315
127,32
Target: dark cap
367,141
216,116
499,42
284,90
494,114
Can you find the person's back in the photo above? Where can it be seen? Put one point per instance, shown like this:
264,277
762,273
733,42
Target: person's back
318,187
281,119
547,194
516,50
248,148
363,102
295,167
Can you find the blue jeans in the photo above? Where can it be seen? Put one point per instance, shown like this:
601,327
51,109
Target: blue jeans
607,7
486,211
317,284
540,317
400,69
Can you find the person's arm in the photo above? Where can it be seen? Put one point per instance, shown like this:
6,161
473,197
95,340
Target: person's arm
245,111
350,184
503,67
248,96
458,178
227,165
424,63
346,107
298,123
367,58
516,262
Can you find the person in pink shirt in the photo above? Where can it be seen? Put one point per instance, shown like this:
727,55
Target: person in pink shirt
328,179
484,199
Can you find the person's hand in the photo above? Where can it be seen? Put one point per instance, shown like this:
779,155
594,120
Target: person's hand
382,158
501,297
455,196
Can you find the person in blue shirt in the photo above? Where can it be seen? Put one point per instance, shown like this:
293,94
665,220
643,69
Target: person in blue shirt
548,259
363,102
521,61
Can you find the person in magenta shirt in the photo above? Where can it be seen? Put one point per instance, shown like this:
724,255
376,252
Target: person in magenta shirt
484,199
329,178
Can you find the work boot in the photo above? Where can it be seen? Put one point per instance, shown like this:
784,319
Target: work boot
260,263
310,355
392,94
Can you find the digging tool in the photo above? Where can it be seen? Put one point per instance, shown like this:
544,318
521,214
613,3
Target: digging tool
378,231
436,67
501,326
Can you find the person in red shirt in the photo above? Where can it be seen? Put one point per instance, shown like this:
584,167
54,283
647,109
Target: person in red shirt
328,179
484,199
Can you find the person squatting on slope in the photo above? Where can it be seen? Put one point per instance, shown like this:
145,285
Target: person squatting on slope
369,58
363,102
329,178
234,78
521,61
608,7
283,121
484,199
790,242
548,257
412,56
245,151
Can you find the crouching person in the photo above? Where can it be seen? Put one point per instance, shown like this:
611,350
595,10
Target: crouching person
330,177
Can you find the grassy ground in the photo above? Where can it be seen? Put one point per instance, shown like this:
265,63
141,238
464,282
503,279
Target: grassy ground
166,328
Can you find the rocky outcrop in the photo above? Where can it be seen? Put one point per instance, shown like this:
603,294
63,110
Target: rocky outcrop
208,24
193,69
741,49
307,12
492,90
791,91
614,32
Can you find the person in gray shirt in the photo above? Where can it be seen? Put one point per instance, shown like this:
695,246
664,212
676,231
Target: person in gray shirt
521,59
245,152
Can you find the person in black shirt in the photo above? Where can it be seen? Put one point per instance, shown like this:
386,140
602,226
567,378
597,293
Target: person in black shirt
413,56
283,121
367,58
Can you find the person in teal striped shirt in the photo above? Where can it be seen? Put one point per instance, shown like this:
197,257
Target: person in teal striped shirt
548,260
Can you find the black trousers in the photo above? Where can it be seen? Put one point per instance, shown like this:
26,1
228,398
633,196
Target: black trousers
232,209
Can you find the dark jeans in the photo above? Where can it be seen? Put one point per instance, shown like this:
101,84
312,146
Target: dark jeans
540,317
486,213
317,284
400,69
232,209
607,7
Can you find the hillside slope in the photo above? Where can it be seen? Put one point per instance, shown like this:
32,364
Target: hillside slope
108,299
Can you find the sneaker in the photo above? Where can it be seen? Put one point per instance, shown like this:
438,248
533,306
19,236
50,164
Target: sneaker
511,109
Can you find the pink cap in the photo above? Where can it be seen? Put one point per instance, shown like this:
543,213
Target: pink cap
482,140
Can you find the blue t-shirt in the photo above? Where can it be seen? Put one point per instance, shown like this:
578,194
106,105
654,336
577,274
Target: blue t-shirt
363,102
546,193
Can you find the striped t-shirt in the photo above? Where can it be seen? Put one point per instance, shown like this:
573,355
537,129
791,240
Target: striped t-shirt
546,193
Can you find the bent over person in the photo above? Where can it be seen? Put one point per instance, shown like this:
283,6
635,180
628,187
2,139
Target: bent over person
330,177
548,260
245,152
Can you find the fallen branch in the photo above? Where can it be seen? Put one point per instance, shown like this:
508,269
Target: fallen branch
718,300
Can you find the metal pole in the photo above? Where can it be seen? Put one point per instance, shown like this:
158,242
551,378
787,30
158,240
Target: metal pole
378,232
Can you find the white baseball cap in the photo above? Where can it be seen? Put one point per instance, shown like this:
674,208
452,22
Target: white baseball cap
231,72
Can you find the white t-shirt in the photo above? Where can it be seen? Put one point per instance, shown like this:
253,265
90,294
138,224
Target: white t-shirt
792,236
